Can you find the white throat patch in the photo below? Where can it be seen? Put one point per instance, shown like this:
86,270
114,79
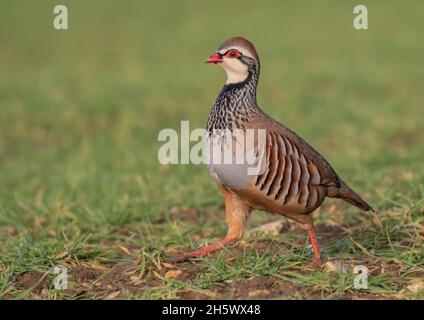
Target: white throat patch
236,71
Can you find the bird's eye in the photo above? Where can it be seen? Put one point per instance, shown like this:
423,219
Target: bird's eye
233,53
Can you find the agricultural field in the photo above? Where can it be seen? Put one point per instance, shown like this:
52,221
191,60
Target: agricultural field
80,181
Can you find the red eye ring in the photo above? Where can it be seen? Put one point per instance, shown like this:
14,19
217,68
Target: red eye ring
233,53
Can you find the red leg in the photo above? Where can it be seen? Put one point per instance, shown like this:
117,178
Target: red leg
317,256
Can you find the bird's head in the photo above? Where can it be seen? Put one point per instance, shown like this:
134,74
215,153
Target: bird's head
238,57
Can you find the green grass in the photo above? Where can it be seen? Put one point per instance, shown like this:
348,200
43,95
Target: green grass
81,186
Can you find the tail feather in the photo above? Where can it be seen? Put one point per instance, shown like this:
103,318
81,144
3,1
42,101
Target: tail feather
347,194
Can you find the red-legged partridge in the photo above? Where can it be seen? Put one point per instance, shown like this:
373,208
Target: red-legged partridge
294,180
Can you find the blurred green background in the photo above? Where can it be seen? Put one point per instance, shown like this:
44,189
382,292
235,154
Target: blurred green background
80,110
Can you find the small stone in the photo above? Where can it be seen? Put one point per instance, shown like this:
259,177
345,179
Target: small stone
258,293
173,274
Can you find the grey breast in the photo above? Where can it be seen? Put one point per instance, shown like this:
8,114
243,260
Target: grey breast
232,160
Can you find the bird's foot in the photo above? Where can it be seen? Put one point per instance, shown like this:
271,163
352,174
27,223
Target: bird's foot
316,263
207,250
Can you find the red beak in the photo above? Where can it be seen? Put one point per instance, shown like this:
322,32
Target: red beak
214,58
